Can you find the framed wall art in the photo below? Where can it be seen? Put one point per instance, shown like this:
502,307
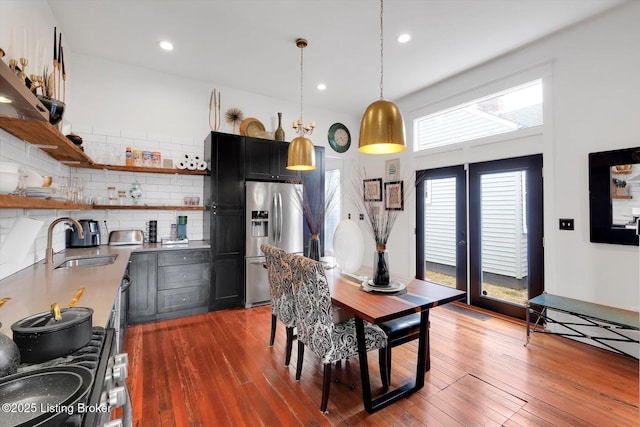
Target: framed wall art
372,190
394,196
392,170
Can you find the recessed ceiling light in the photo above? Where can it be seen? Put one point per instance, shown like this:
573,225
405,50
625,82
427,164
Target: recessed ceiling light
403,38
5,100
321,86
166,45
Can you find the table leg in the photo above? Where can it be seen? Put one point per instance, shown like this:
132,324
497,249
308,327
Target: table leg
372,405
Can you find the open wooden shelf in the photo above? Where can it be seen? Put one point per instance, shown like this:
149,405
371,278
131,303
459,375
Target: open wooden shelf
21,202
48,138
122,168
151,207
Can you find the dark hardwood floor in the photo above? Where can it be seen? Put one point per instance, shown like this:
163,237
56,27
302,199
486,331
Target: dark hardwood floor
217,369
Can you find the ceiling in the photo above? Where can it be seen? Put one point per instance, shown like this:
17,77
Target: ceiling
250,44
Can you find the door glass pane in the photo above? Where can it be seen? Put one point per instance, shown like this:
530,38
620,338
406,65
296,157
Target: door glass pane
504,236
332,216
440,231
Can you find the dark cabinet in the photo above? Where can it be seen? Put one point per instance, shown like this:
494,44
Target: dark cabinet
266,160
183,283
224,195
143,270
168,284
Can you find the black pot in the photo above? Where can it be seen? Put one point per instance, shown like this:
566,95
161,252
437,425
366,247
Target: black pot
40,337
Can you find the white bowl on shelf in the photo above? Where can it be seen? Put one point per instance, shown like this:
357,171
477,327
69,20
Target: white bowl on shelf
8,182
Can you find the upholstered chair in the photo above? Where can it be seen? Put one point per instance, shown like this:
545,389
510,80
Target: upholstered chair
330,341
399,331
282,307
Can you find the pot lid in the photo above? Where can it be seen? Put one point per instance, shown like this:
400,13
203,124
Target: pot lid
45,322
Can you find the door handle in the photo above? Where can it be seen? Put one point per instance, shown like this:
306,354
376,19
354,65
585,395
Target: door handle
462,243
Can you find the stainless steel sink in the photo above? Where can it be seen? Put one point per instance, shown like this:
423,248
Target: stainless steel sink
92,261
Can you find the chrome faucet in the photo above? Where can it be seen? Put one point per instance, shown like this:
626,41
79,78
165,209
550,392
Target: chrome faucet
49,251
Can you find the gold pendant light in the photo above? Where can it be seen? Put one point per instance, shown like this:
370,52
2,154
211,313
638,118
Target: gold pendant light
382,126
301,155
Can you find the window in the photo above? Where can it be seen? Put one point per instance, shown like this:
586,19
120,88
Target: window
516,108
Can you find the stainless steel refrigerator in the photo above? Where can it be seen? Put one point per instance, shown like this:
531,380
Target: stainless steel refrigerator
273,216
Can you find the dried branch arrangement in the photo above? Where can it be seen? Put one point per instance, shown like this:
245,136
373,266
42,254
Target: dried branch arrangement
314,214
379,220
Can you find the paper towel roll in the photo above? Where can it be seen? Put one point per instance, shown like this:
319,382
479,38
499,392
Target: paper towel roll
181,164
19,240
202,166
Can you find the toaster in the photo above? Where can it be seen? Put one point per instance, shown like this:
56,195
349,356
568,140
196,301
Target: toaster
126,237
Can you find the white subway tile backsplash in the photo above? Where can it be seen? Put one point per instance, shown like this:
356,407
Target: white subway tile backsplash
79,128
97,130
134,134
158,138
101,144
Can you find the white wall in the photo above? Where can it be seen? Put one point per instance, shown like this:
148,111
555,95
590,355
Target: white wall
591,92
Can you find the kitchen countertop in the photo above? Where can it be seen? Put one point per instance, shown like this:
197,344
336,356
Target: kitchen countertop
33,289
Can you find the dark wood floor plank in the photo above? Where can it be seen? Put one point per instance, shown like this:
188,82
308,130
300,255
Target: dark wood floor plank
218,369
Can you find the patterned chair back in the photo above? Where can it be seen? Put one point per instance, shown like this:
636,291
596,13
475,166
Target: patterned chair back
279,273
314,316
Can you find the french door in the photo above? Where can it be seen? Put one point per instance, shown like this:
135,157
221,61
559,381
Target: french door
500,247
506,231
441,205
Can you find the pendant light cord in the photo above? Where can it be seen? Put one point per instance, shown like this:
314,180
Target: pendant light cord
301,79
381,49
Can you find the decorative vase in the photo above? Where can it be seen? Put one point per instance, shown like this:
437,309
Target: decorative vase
135,192
381,266
55,108
279,132
314,247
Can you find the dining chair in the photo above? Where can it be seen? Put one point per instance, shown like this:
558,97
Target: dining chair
399,331
282,307
329,340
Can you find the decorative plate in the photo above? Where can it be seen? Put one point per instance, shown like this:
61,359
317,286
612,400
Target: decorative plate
251,127
393,287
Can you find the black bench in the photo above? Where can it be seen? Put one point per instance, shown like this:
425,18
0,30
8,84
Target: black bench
593,315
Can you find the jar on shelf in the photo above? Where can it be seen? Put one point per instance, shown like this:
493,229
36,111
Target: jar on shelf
112,195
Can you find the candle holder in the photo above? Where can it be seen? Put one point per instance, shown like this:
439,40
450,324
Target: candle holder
36,83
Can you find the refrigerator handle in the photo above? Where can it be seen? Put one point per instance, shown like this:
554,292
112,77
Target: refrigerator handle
274,220
280,219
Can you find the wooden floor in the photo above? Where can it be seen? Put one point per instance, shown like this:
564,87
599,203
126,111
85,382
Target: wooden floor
217,369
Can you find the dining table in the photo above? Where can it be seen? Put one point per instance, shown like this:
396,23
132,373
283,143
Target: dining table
419,296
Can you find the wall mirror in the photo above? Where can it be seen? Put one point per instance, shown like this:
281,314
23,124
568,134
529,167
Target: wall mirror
614,196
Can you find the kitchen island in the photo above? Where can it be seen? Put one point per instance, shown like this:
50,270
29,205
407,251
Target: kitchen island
33,289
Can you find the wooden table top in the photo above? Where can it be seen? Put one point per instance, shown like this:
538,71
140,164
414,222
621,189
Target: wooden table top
379,307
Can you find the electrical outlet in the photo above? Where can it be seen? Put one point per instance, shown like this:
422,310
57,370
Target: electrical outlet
361,217
566,223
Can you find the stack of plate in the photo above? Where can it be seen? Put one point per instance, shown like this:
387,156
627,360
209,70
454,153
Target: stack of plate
392,287
39,192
